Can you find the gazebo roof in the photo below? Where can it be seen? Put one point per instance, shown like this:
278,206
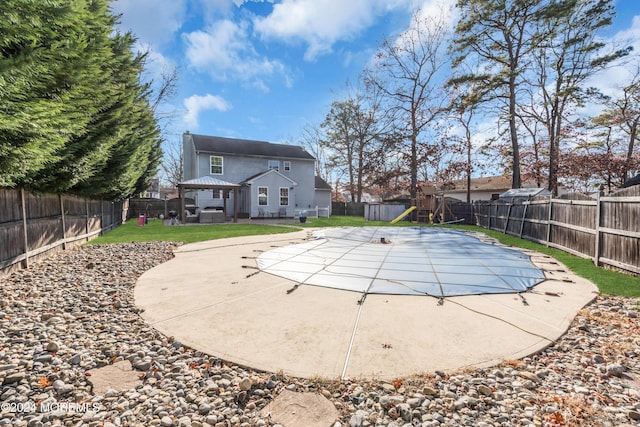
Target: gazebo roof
208,182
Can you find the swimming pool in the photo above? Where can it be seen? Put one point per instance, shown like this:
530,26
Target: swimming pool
403,261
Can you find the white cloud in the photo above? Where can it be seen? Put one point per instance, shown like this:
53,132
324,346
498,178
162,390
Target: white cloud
436,18
241,2
441,8
197,103
320,23
156,63
153,22
225,52
611,80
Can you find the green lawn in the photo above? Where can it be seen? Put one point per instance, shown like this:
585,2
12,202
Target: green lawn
609,282
349,221
155,231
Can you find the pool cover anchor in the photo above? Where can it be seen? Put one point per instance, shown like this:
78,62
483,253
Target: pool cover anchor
362,298
524,300
251,274
293,288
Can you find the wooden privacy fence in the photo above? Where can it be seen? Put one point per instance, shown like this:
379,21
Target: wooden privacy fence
32,225
152,208
348,209
606,230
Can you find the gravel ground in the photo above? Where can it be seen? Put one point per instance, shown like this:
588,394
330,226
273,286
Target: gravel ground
74,313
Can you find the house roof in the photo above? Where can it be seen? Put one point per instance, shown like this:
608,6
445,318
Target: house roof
488,183
321,184
257,176
246,147
633,181
494,184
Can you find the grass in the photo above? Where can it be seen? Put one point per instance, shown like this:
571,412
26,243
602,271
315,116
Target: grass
609,282
155,231
348,221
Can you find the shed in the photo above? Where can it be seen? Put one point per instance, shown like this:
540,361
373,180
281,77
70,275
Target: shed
523,194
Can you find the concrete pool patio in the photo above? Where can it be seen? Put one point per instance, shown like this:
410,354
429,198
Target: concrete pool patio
213,298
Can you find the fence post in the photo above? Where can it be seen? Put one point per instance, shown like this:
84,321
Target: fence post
24,227
506,222
490,214
549,221
64,227
86,219
524,216
101,216
596,257
472,218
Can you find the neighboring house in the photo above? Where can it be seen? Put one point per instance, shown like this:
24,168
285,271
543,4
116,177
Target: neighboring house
486,188
269,180
153,191
633,181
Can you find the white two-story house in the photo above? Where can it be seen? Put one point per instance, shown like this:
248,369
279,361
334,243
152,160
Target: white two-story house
268,180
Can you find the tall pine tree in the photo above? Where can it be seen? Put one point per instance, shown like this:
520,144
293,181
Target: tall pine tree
75,116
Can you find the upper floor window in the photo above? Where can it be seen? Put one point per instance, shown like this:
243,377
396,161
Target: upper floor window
287,166
274,164
216,165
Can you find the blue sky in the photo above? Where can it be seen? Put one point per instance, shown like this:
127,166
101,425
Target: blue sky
265,69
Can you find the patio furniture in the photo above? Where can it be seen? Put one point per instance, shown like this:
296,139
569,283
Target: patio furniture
211,217
190,217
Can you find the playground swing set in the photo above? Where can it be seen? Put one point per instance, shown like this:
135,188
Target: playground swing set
431,209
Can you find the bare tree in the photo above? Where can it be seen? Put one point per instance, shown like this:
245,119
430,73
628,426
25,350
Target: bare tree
172,164
623,113
311,139
352,137
599,159
163,88
409,71
464,117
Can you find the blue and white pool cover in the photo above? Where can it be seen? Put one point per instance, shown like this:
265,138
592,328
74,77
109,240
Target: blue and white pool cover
403,261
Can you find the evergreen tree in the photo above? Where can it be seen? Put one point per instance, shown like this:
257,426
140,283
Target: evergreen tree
568,57
41,44
498,35
75,116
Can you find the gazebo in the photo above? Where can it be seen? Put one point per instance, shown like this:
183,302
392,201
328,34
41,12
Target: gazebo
208,183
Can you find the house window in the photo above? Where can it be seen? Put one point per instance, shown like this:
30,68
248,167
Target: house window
216,165
216,194
284,196
287,166
274,164
263,196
